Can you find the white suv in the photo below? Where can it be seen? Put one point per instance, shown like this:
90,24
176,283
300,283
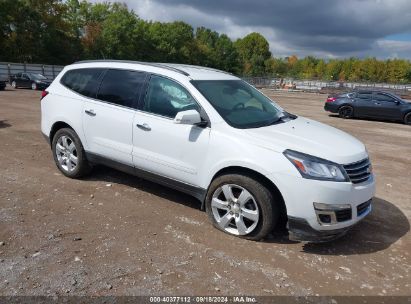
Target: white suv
253,166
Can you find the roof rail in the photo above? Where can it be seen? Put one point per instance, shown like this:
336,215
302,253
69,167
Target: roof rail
199,67
153,64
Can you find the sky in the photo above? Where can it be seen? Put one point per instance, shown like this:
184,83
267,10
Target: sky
322,28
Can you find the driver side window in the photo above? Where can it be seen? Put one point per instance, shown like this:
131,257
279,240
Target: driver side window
166,98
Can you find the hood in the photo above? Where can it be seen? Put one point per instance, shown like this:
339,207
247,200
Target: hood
310,137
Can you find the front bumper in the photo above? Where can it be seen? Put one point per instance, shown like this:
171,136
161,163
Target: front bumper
300,230
308,223
42,86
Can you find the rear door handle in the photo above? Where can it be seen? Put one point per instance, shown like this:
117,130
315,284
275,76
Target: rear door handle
144,127
90,112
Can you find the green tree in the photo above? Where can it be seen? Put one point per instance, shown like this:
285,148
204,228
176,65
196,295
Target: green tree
253,50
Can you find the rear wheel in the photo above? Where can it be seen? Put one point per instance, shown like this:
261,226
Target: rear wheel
407,119
14,85
241,206
33,86
346,112
69,155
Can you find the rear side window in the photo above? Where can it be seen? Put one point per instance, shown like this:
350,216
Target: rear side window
122,87
364,95
82,81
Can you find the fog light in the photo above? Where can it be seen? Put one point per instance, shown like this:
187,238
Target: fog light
325,218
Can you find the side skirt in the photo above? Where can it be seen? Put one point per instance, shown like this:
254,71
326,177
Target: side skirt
197,192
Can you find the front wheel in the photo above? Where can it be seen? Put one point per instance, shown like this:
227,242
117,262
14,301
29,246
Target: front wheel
241,206
346,112
69,154
14,85
407,119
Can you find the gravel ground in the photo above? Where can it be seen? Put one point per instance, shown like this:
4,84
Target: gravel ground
114,234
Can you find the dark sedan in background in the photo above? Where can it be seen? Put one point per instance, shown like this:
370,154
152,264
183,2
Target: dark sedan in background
370,104
30,80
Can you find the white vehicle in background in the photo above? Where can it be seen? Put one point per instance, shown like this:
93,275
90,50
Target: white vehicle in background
253,166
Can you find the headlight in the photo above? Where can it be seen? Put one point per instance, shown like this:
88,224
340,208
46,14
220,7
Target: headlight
316,168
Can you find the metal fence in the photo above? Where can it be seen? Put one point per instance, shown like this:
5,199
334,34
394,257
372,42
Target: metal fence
8,68
318,85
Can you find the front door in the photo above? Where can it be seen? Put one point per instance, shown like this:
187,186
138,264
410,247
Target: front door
386,106
162,147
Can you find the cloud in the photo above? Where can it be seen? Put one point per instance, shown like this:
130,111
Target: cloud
325,28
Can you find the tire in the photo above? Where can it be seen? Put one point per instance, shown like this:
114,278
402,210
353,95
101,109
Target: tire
259,213
67,148
34,86
346,112
14,84
407,119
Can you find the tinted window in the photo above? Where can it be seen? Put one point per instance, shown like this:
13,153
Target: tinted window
364,95
82,81
166,98
240,104
121,87
383,97
37,76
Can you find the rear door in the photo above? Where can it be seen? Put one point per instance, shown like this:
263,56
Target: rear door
386,106
108,119
363,104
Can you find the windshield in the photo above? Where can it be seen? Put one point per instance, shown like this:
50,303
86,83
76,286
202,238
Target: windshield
241,105
38,76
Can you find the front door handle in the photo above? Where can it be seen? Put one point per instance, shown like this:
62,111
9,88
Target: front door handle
144,127
90,112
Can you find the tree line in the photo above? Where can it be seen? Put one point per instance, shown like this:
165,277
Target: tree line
61,32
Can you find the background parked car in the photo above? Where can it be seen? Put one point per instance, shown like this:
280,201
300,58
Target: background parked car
30,80
370,104
3,82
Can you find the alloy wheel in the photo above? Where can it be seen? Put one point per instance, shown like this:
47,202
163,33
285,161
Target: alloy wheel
13,84
235,209
34,86
346,112
66,153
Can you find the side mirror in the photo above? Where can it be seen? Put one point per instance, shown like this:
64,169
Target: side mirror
189,117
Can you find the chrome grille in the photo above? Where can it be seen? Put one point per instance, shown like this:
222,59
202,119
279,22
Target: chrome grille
359,172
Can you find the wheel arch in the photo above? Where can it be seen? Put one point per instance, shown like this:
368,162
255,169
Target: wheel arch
345,104
57,126
260,178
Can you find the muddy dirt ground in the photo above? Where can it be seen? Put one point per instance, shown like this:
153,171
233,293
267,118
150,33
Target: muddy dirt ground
114,234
